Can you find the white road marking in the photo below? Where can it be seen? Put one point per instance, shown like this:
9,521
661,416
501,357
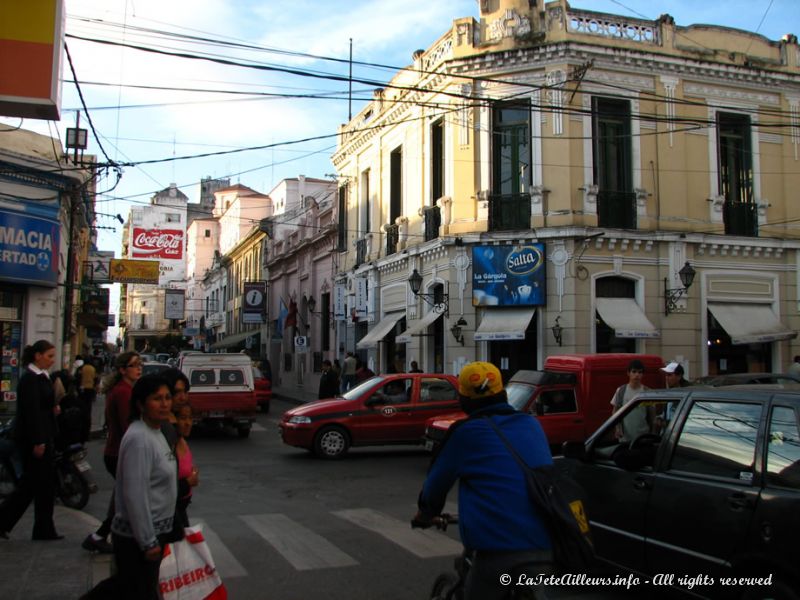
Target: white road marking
257,427
301,547
226,563
421,543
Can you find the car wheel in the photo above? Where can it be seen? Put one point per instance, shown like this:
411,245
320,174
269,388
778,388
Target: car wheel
442,586
331,442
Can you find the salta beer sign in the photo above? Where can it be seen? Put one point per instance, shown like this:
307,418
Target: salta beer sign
157,243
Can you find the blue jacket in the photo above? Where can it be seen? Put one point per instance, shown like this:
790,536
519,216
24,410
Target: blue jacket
495,511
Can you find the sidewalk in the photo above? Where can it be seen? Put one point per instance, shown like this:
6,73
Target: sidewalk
57,570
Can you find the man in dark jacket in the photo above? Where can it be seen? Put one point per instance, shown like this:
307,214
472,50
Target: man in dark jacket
328,382
497,518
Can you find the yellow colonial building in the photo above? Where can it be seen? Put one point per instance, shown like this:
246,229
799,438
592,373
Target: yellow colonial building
552,179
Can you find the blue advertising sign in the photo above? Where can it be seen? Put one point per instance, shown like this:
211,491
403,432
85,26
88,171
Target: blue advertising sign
508,275
28,248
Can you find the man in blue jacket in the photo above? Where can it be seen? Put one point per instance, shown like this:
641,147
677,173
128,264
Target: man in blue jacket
497,519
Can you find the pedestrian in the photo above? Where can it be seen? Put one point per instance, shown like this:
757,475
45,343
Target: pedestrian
328,382
794,368
349,372
499,523
188,474
117,388
145,493
34,436
363,372
87,392
414,367
635,423
673,378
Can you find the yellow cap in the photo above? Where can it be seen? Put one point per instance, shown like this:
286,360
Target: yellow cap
480,380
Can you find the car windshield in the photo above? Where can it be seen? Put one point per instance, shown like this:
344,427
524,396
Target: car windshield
362,387
519,395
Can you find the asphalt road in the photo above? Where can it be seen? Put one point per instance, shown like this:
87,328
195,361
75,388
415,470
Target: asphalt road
283,525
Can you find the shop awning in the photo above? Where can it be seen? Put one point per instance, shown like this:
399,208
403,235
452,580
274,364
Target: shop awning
233,340
626,318
750,323
418,327
504,324
380,330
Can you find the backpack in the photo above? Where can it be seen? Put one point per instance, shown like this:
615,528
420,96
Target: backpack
559,504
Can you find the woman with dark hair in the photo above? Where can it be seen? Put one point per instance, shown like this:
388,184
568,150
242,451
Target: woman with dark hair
181,419
35,432
117,388
145,492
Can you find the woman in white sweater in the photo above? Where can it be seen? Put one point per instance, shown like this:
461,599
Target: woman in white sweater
146,490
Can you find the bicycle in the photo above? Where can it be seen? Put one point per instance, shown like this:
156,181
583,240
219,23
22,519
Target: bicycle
449,585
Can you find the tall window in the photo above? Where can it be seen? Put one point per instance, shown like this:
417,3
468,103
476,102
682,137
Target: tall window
437,161
736,174
342,233
325,321
613,167
364,208
396,191
512,154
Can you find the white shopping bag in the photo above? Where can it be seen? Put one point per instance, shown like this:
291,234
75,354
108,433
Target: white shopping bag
187,570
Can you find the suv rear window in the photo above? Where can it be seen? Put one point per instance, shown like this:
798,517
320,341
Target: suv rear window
719,439
231,377
202,377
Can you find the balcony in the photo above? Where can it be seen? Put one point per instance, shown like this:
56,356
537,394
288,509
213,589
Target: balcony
616,209
509,211
392,237
361,251
432,217
741,218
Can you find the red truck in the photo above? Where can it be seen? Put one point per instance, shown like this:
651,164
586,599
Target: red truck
222,392
571,397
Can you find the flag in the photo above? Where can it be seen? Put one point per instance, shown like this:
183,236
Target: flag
281,320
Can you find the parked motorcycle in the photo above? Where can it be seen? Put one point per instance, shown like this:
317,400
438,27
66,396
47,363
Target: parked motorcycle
74,481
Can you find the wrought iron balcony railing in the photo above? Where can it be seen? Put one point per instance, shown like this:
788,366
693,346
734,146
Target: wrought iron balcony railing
616,209
741,218
509,211
432,216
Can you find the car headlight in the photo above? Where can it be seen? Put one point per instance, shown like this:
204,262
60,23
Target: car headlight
298,420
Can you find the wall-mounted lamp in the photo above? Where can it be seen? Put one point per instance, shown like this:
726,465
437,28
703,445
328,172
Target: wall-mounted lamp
671,296
443,307
311,304
558,331
456,330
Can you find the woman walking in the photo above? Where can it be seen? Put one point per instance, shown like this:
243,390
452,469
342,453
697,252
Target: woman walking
188,475
117,388
35,432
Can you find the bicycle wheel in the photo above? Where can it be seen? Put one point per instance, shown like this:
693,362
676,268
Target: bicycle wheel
446,588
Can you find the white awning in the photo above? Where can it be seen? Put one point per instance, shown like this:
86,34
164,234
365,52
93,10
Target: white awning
626,318
750,323
504,324
418,327
380,330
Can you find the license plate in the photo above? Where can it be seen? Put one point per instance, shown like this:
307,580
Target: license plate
83,466
216,414
428,445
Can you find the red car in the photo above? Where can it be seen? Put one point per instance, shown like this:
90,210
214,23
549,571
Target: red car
263,389
386,409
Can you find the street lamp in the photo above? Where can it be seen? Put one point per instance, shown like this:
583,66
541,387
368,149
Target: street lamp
415,283
671,296
557,330
456,330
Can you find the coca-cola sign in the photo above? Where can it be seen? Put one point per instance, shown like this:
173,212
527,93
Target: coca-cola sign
157,243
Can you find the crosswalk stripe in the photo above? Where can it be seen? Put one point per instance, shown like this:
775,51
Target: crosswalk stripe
421,543
227,565
304,549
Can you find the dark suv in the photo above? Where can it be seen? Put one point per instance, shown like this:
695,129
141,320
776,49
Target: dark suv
699,481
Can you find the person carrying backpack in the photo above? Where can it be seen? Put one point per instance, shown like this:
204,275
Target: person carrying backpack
498,522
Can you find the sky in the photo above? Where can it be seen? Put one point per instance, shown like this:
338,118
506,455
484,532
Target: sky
135,121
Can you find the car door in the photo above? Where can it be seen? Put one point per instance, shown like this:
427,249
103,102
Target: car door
557,411
704,495
387,412
616,497
773,532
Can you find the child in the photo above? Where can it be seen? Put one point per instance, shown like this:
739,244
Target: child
187,472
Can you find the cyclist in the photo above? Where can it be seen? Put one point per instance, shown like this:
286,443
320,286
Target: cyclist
498,523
